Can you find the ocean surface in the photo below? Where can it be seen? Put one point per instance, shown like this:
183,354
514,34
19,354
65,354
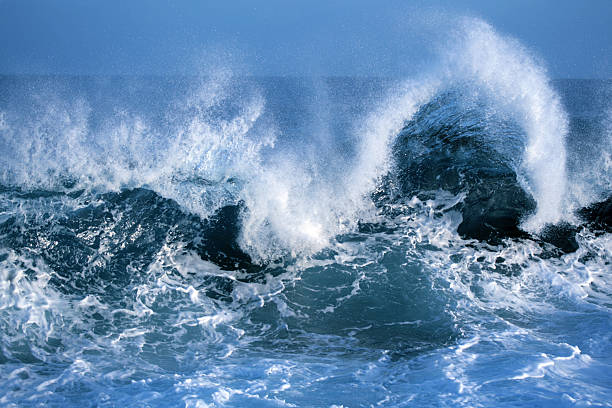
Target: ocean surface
234,241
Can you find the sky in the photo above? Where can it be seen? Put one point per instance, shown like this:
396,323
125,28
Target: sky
290,37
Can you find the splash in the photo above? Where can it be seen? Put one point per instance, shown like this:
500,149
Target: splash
299,204
216,147
539,110
113,297
195,158
518,87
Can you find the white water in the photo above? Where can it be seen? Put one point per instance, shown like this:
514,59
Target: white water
351,318
520,88
295,202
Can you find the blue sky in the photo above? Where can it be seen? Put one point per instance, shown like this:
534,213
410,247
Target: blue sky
385,37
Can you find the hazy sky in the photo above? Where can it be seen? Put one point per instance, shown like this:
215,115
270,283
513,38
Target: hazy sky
272,37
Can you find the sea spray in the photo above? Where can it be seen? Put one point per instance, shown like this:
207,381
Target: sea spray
195,158
519,85
120,296
309,203
216,150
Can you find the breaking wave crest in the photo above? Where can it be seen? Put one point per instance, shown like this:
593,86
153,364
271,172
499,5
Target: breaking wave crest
225,241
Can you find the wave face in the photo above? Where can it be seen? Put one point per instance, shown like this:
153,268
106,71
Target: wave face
449,146
225,241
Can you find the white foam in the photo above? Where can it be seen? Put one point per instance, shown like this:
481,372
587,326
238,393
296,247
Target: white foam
296,205
296,200
192,164
519,86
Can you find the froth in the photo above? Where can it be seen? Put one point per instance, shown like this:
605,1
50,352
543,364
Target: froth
297,204
210,152
520,88
193,159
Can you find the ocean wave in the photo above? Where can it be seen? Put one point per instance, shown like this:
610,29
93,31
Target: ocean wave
229,241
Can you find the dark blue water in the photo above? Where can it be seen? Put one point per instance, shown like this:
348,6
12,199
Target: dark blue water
231,241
